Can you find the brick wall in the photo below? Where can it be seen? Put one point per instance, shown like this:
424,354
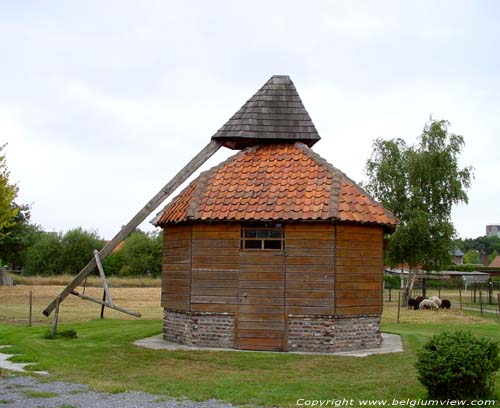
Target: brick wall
305,333
199,329
330,334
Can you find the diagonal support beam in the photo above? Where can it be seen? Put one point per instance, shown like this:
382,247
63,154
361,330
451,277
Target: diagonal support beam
103,277
207,152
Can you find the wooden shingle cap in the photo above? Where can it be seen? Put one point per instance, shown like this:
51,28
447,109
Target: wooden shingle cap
274,114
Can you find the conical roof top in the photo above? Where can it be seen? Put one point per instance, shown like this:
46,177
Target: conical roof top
286,181
275,113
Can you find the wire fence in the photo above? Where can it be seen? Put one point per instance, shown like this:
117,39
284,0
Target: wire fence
478,297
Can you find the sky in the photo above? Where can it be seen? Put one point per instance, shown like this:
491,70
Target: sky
102,102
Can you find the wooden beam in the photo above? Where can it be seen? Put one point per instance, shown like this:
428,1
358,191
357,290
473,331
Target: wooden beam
120,309
207,152
103,277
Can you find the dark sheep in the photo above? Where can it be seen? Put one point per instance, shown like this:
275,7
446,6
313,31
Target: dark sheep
445,304
419,299
413,304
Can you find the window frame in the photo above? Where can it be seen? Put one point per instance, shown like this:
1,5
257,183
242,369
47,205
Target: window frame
276,227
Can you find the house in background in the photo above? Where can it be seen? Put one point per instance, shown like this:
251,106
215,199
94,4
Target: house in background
495,263
273,249
457,257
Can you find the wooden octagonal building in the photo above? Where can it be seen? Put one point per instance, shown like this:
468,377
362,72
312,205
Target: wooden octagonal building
273,249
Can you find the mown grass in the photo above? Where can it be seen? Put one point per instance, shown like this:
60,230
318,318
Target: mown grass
103,357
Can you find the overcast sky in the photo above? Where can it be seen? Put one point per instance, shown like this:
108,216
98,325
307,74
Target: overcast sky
102,102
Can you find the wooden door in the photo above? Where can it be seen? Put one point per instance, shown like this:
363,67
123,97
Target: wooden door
261,307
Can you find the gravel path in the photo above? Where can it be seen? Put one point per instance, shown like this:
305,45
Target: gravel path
28,392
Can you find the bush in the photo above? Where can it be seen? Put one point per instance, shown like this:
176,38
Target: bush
458,366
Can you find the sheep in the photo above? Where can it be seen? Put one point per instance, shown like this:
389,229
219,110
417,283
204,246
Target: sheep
412,304
427,304
419,299
436,300
445,304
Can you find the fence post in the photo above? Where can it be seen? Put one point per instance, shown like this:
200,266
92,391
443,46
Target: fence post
390,293
498,301
439,293
399,303
31,308
460,297
481,301
490,291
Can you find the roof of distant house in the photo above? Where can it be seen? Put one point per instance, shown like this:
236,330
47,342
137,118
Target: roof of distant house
495,263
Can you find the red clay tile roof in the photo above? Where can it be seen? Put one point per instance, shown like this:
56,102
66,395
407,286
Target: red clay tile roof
274,182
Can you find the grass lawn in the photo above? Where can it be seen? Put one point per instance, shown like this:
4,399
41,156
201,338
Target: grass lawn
103,357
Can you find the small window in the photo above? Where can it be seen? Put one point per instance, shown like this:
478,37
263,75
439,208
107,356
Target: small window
262,237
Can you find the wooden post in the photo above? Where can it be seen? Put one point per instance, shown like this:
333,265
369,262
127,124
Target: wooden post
475,287
207,152
439,293
399,304
460,296
53,328
498,301
103,302
390,297
481,301
31,308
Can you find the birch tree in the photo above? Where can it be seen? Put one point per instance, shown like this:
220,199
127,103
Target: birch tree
420,184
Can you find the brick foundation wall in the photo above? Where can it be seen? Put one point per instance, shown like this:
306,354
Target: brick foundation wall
331,334
199,329
325,334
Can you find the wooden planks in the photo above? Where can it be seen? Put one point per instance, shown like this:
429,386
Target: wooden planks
261,311
359,269
176,267
309,268
215,267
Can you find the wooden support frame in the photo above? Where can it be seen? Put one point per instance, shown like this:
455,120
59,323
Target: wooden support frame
207,152
103,303
103,277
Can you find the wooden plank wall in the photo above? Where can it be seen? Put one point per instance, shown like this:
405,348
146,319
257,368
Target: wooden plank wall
309,269
215,267
261,313
176,267
358,270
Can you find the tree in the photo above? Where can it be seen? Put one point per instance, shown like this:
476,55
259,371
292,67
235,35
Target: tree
141,254
471,257
77,247
420,184
8,193
44,256
18,237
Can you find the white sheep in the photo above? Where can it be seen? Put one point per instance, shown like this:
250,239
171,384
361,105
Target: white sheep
436,300
428,304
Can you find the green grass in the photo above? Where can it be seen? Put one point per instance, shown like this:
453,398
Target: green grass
40,394
103,357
